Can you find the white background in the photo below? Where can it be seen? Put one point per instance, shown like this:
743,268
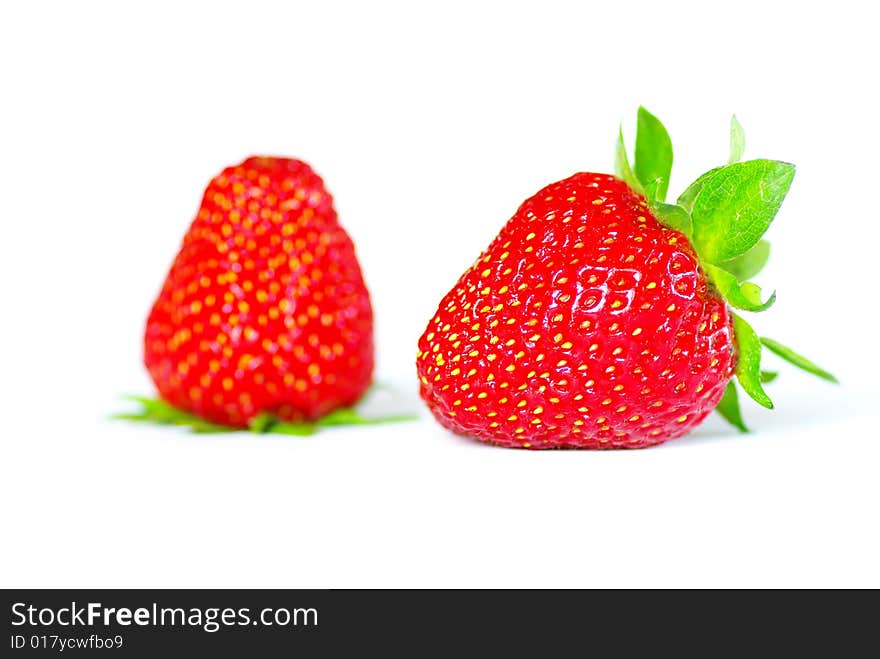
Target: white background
430,126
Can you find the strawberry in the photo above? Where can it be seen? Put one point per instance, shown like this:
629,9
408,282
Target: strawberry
264,311
601,316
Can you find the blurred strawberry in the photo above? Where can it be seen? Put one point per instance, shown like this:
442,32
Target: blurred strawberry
264,310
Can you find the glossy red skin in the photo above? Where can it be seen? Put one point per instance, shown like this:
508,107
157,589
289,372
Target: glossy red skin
585,324
265,308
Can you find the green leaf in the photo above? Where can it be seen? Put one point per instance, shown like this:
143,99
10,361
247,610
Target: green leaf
622,167
673,217
686,199
746,266
262,422
796,359
737,146
768,376
284,428
351,417
342,416
737,140
651,190
746,296
653,153
157,411
728,408
736,205
748,364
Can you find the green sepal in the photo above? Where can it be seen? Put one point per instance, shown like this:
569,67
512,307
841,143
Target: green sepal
737,140
157,411
622,167
344,416
686,199
736,205
745,296
265,423
653,155
673,217
728,408
748,363
652,190
724,213
768,376
747,265
798,360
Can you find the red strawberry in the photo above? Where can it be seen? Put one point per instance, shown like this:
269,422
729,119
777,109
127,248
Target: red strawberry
265,309
599,317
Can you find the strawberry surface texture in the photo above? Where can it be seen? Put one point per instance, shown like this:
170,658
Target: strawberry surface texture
601,316
264,310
